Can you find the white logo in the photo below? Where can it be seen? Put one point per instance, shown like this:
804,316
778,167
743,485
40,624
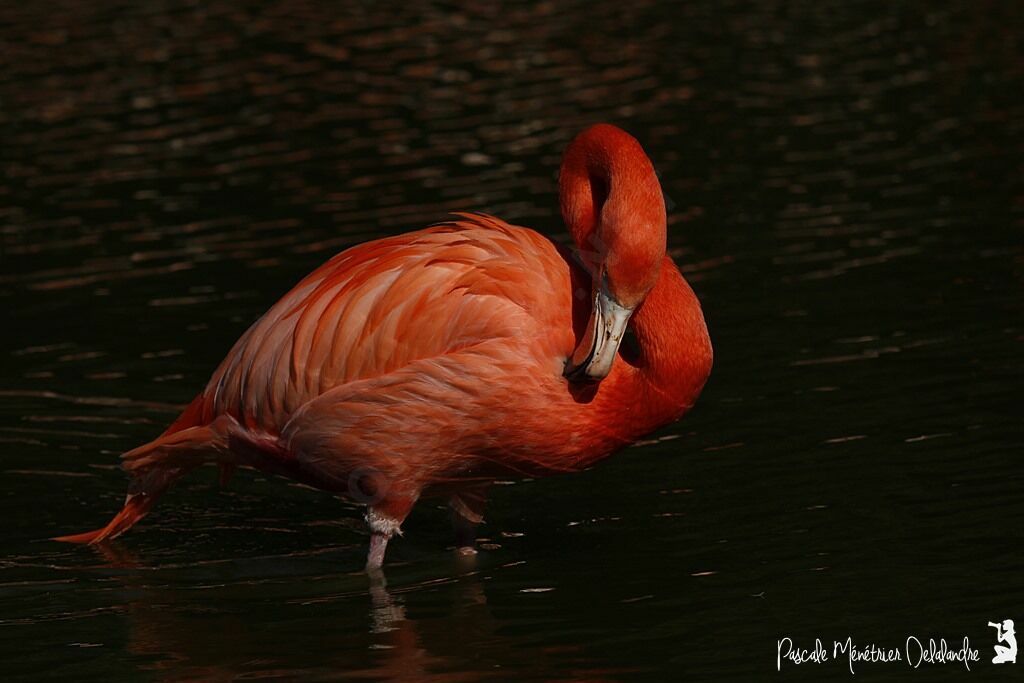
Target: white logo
1004,634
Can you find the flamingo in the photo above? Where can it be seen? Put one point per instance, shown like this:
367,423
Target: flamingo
433,362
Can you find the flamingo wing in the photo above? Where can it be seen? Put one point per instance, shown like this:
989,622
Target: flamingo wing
383,305
432,421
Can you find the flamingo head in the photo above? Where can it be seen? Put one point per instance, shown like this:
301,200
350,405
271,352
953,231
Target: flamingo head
613,205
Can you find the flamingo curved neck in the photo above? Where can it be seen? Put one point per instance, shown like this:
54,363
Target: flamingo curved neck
603,169
672,362
612,204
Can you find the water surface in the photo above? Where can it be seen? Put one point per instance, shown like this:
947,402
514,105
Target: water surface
845,184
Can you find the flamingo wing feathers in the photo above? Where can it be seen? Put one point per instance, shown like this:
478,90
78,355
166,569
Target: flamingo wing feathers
431,419
383,305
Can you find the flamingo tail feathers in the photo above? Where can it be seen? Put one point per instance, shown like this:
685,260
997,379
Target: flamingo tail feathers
135,508
155,467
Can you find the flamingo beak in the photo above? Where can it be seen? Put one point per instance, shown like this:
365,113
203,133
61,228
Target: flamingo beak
593,358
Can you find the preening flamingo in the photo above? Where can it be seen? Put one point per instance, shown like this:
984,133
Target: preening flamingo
432,362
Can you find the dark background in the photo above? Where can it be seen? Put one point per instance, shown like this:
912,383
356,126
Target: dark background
845,184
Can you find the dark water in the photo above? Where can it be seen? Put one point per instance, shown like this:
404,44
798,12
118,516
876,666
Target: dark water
847,200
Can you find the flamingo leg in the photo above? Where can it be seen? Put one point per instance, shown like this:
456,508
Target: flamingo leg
465,533
378,546
467,509
385,520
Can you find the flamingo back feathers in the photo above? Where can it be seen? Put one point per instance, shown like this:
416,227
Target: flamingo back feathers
379,306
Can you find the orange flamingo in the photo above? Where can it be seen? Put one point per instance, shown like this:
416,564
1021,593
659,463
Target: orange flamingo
432,362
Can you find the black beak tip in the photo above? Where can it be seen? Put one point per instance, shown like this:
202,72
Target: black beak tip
578,374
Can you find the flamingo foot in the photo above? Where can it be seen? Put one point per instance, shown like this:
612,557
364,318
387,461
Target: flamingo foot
465,533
